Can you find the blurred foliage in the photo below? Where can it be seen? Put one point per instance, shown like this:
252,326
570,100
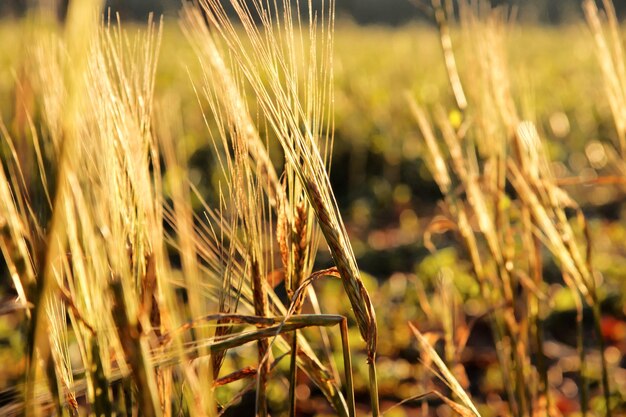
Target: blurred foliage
363,11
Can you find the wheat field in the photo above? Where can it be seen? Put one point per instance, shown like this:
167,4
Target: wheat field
259,209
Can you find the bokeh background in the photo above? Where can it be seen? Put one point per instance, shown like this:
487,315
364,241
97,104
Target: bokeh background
388,12
384,49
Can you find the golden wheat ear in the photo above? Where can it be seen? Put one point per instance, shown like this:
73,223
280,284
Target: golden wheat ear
95,87
491,149
253,198
274,57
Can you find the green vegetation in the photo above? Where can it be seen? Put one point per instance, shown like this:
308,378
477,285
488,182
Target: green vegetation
272,212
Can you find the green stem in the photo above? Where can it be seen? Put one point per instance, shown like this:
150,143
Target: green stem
347,366
597,318
584,395
293,369
374,387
